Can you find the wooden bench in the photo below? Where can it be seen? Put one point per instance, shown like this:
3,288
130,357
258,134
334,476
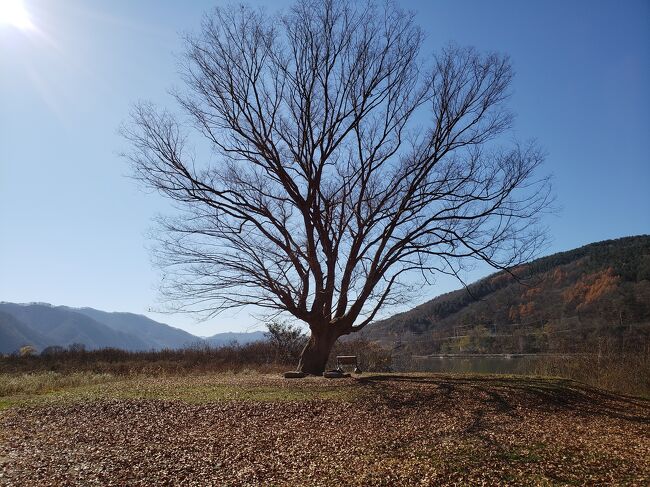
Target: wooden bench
342,360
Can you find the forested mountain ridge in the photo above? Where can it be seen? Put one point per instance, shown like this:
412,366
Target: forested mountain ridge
556,303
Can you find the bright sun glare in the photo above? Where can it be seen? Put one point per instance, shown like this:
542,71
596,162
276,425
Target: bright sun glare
13,12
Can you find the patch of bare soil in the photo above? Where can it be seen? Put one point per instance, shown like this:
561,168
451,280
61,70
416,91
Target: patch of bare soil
399,430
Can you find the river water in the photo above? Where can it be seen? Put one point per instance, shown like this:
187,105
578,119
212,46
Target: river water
481,364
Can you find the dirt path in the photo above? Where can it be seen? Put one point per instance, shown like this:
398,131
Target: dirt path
398,430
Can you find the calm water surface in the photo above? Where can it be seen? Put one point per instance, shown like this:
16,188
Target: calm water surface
488,364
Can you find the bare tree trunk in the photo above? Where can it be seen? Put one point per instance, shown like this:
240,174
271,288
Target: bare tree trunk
315,354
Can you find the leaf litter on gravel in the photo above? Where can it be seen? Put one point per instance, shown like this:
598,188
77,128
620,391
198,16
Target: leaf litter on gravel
376,430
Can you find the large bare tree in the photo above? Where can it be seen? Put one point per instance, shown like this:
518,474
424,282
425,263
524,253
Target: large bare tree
343,165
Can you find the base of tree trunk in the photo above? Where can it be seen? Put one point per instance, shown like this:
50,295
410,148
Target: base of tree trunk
313,359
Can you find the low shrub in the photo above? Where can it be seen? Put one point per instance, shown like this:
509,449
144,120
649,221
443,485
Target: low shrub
627,373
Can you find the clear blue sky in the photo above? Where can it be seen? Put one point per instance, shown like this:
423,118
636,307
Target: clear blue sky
73,227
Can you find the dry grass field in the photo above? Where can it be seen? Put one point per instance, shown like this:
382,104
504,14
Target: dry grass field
376,429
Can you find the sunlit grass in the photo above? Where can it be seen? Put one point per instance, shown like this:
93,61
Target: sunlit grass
51,387
43,388
46,382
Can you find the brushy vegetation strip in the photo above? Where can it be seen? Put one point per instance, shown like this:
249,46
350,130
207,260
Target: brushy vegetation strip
390,430
44,382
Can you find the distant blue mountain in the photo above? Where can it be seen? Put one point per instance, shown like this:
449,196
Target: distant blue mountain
63,326
156,335
221,339
42,325
15,334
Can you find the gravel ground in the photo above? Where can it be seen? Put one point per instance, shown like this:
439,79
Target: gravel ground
393,430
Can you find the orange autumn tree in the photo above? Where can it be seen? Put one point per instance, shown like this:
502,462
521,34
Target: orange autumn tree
592,288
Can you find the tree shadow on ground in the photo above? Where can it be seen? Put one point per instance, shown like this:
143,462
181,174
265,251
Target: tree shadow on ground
506,395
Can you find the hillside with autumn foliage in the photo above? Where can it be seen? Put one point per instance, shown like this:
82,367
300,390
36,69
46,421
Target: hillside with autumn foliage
594,296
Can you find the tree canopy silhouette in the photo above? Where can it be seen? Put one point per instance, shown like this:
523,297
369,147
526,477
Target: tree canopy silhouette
345,164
